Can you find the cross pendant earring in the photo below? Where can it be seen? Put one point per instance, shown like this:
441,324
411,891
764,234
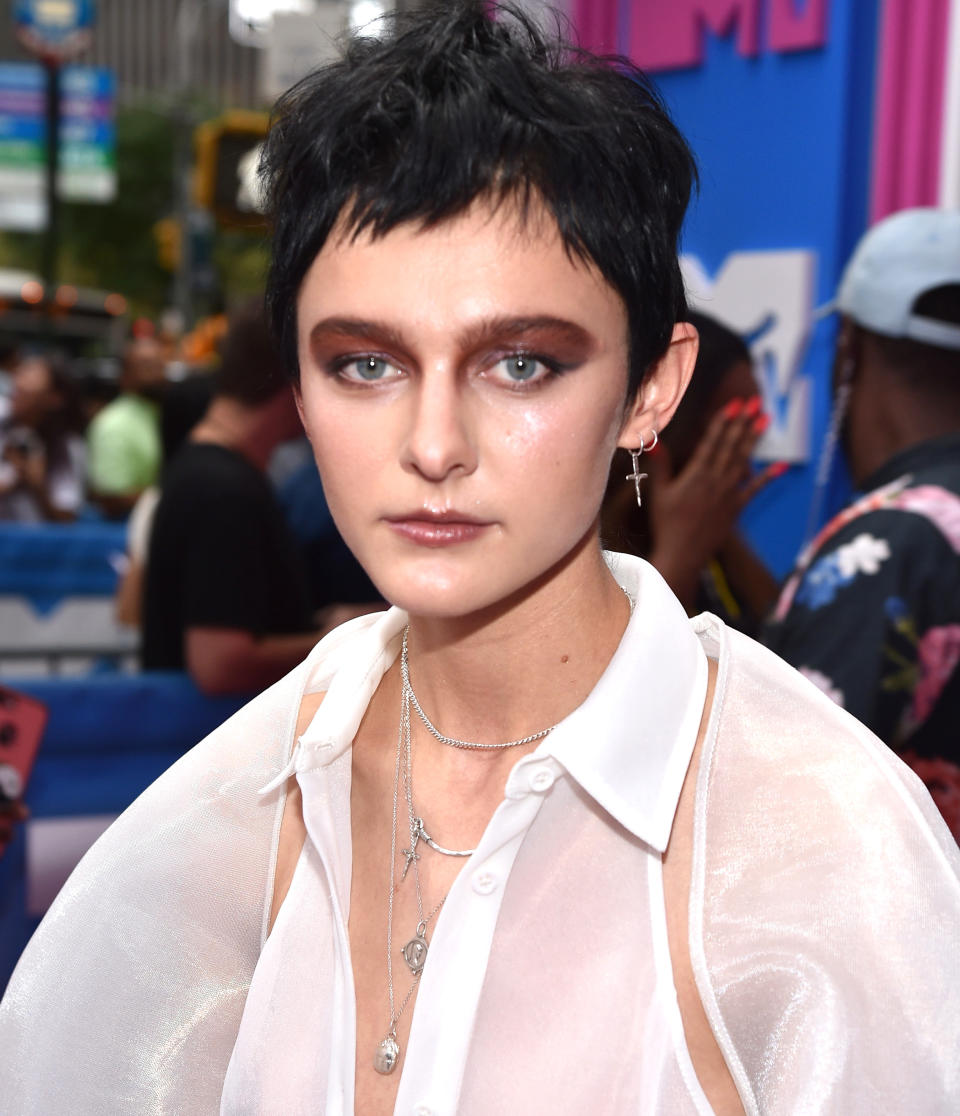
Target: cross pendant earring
636,476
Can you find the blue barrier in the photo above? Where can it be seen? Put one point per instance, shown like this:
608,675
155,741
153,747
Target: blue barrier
47,562
107,739
57,584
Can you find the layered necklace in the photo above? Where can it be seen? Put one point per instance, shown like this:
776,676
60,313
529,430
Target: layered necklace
414,952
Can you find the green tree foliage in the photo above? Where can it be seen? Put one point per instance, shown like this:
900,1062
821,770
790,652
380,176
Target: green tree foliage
114,246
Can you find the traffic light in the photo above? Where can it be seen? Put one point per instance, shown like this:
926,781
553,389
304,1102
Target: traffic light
168,237
225,178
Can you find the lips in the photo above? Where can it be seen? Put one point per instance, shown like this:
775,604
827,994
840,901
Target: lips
437,527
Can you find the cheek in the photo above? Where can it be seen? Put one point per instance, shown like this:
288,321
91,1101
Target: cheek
562,452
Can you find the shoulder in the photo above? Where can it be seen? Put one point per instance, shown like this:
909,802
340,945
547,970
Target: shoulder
825,896
770,719
178,886
918,515
228,482
106,419
825,900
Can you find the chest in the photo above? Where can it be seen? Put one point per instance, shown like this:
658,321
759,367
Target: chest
548,974
400,880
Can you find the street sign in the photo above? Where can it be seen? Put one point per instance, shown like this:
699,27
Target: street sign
87,170
54,30
87,135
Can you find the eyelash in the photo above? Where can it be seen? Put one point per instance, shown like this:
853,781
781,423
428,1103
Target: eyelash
553,367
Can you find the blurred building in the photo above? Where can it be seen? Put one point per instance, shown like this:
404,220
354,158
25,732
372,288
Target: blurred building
138,39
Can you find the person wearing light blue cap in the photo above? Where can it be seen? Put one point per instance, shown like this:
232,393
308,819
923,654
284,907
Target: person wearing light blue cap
871,612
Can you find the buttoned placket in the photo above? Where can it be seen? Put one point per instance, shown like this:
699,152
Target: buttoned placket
323,772
452,980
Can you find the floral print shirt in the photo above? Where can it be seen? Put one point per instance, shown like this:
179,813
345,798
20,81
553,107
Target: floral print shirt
871,613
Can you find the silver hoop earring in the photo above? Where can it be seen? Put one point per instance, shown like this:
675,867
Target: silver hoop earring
636,476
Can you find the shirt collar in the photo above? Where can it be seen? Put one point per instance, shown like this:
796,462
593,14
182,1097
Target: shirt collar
628,744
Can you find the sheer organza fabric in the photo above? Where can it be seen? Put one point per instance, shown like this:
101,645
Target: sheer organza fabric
824,918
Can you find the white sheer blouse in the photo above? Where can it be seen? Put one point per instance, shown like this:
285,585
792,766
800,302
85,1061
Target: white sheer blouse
824,912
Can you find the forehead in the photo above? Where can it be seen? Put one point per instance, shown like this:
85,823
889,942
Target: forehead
489,260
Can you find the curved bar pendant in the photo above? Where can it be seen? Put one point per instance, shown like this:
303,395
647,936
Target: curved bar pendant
425,836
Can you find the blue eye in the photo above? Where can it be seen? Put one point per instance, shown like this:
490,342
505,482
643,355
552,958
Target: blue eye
371,368
367,369
520,369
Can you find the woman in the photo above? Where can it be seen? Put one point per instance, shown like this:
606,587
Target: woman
528,841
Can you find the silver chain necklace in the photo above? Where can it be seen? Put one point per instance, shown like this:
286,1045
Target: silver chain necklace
431,727
414,953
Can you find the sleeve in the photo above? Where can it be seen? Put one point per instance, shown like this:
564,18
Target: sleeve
128,998
225,573
860,611
825,911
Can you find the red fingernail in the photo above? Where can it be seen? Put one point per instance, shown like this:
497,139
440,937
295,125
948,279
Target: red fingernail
777,469
733,408
753,406
760,423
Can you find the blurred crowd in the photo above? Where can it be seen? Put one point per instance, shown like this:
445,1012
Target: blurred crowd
233,567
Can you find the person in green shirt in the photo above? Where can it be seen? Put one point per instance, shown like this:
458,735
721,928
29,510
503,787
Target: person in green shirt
124,448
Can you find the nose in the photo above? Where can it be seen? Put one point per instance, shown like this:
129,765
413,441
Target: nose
439,441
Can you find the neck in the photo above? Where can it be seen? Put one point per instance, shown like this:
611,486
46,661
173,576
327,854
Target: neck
230,424
509,672
900,424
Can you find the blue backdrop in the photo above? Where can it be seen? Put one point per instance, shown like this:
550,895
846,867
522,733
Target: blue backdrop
783,143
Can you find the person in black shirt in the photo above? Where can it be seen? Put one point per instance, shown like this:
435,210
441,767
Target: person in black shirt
871,613
226,595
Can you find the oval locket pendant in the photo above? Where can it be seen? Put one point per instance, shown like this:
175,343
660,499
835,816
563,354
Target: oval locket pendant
387,1055
415,952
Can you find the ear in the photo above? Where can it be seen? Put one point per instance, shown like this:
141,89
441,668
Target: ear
298,399
662,389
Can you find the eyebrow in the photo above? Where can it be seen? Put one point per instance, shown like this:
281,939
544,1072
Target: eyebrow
483,332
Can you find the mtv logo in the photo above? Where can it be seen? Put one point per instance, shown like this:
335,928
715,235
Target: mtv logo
767,297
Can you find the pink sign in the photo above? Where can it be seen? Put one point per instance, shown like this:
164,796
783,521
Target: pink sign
668,36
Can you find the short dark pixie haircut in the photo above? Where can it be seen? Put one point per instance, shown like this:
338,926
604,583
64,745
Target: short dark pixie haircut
464,100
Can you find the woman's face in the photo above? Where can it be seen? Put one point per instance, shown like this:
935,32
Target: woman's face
463,389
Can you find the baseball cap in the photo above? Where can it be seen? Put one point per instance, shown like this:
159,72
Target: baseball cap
898,260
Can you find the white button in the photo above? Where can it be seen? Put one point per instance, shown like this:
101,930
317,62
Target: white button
422,1110
542,779
484,882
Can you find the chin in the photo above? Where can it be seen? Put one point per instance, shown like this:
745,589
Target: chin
435,597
